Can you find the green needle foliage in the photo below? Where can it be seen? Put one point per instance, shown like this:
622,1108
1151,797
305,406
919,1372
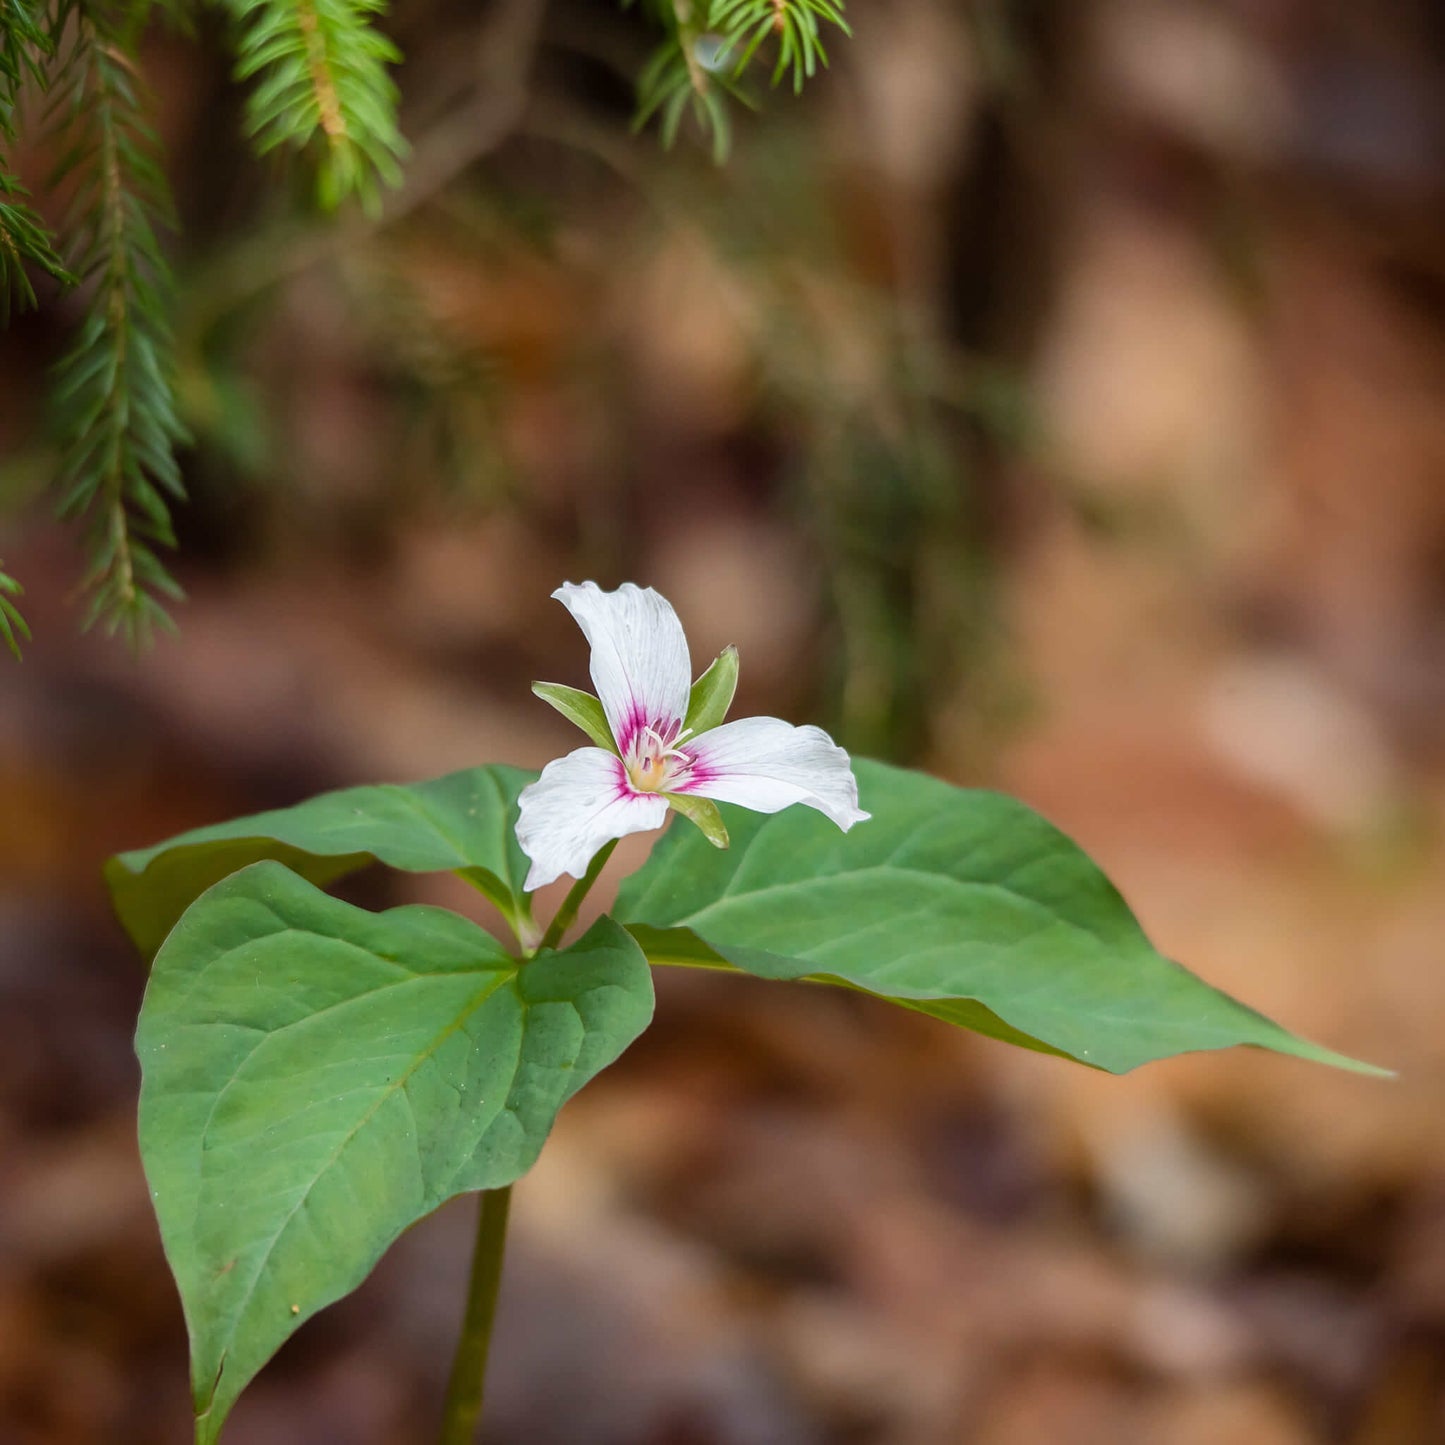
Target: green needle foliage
13,628
115,402
24,239
320,83
23,236
321,80
710,47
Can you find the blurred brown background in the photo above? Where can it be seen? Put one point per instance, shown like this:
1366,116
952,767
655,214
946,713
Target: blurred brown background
1052,399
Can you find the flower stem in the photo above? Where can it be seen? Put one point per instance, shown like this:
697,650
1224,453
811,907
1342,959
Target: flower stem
573,901
469,1365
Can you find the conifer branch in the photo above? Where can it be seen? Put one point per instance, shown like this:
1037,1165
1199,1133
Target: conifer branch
23,44
321,81
321,75
114,397
711,46
13,627
24,239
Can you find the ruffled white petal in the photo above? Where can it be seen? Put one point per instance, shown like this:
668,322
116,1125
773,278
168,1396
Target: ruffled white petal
640,665
579,803
766,764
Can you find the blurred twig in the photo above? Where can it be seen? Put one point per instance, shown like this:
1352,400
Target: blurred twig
506,49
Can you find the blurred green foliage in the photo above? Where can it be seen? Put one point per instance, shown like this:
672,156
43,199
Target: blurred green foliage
320,80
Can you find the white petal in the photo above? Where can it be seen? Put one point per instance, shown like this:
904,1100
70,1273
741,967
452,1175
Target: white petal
640,666
766,764
579,803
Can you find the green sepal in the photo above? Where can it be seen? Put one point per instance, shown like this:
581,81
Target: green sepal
712,693
579,708
704,813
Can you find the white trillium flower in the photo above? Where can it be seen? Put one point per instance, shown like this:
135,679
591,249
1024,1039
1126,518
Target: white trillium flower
660,745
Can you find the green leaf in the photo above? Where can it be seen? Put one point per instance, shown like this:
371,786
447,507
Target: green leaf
703,813
712,693
464,822
963,905
579,708
315,1078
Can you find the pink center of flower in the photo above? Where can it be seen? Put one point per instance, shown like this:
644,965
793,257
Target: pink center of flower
654,762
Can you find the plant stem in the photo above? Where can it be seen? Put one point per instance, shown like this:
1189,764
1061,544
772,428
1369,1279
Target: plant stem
573,901
469,1365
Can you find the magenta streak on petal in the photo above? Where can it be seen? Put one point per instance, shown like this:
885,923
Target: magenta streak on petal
633,722
697,773
636,721
622,784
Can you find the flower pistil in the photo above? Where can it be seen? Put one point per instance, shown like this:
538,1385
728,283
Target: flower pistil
654,761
